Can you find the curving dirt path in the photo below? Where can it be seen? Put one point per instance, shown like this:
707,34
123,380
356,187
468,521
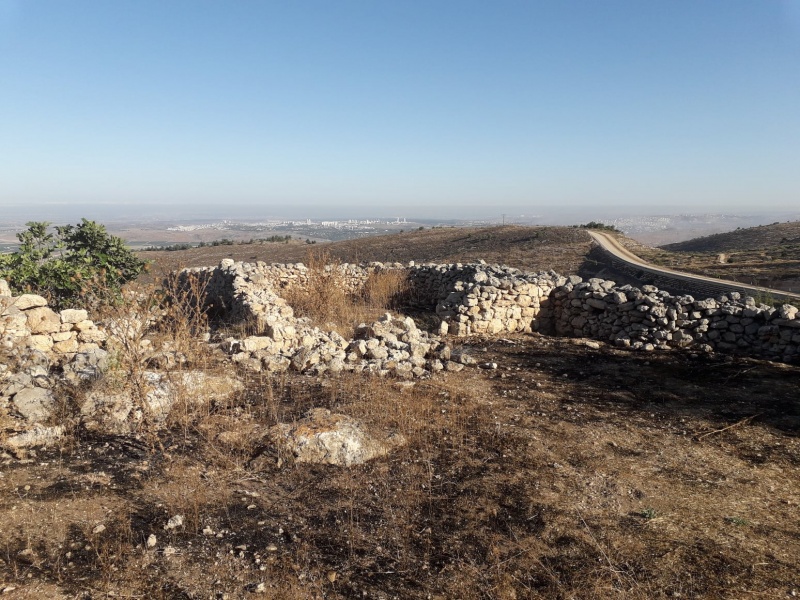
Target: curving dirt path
611,245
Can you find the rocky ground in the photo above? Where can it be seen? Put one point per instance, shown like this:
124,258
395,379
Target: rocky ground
571,470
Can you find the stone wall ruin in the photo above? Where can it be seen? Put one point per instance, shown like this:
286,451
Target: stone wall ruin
487,299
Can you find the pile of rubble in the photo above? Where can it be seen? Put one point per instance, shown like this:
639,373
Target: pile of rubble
281,341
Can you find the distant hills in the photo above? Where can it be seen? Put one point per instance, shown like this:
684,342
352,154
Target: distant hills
763,237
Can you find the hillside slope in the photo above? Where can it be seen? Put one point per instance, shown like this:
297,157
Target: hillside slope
535,248
763,237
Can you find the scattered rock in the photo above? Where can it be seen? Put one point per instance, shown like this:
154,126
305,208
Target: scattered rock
174,522
38,435
333,439
34,404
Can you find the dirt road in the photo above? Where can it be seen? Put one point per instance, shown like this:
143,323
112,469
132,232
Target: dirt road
611,245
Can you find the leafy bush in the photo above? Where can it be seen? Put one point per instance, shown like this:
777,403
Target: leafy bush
76,265
169,248
598,225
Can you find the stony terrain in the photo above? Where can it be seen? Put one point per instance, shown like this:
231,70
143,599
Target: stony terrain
225,458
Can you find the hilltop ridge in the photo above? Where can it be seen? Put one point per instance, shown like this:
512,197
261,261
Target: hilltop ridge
761,237
538,248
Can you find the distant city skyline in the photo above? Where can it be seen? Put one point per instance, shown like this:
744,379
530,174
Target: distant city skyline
436,109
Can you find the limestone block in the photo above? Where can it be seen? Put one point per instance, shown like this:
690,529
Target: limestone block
28,301
43,320
334,439
68,346
62,336
88,348
72,315
787,311
16,322
37,436
43,343
35,404
254,343
91,336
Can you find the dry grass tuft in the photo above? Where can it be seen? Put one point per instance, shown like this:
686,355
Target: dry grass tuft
330,303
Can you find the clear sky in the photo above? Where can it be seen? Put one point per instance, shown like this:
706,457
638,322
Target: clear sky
454,107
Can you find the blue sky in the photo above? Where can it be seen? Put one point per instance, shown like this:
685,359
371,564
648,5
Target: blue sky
449,107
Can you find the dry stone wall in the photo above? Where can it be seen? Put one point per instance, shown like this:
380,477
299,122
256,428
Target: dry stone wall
491,299
34,340
648,318
485,299
27,322
278,340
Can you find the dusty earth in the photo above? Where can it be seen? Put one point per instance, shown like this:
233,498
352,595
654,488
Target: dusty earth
573,470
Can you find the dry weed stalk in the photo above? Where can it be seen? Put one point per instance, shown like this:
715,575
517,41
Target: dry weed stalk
331,301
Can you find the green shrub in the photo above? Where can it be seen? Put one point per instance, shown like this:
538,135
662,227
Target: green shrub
597,225
76,265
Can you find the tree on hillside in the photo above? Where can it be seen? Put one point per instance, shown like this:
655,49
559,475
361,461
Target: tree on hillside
76,265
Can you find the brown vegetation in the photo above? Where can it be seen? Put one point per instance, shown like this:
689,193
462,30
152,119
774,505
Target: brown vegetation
535,248
566,473
329,304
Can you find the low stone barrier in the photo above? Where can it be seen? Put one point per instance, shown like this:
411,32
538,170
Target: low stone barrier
35,340
487,299
648,318
26,321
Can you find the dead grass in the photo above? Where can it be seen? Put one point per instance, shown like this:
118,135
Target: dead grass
562,249
556,476
330,303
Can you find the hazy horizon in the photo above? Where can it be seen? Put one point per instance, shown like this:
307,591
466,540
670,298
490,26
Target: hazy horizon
130,213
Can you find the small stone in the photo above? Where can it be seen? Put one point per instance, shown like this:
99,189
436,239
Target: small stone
99,529
72,316
152,540
174,522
